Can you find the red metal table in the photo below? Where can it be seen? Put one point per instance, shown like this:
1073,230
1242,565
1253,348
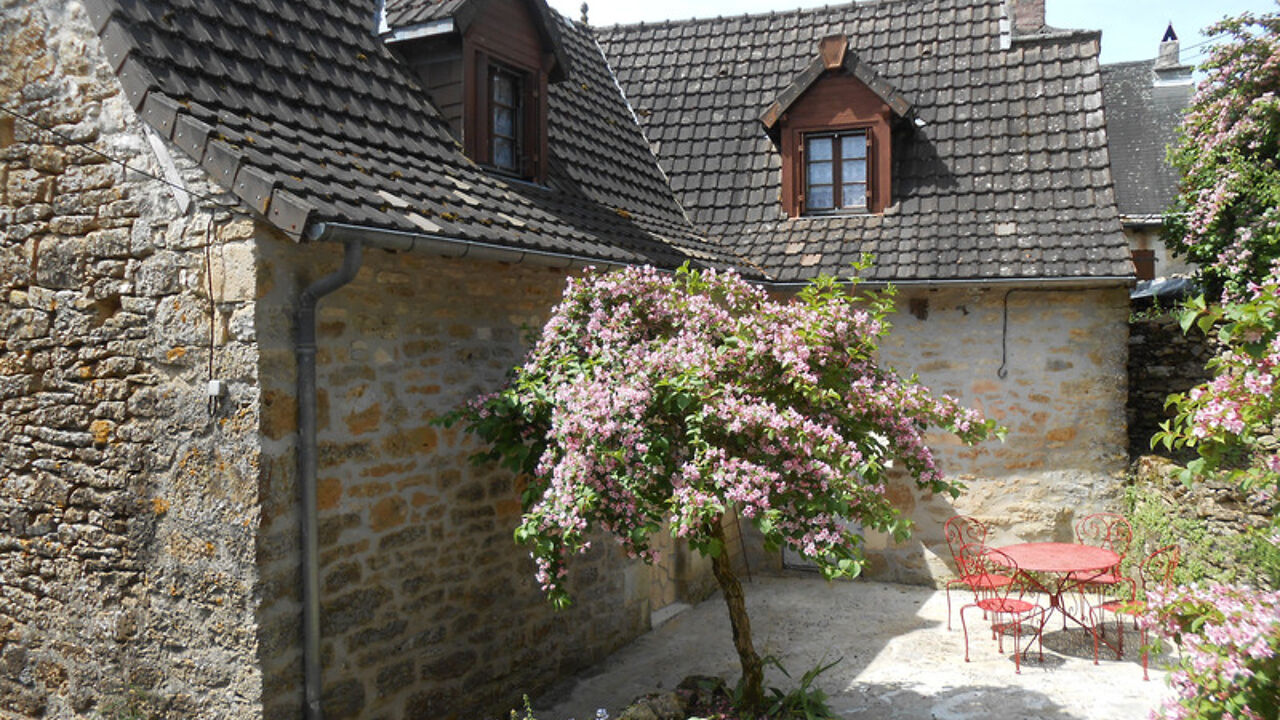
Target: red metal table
1056,568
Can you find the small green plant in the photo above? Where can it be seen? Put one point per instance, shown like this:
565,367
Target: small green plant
528,711
133,703
1155,312
1248,557
805,702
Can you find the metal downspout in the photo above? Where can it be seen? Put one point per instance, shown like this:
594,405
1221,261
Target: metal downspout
305,350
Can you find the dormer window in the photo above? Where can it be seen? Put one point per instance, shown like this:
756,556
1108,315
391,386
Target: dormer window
506,146
833,126
836,171
486,64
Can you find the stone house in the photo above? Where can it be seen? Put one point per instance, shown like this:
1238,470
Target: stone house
248,251
1144,103
977,175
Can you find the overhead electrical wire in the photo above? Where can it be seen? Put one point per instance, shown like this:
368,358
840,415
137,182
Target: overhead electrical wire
67,139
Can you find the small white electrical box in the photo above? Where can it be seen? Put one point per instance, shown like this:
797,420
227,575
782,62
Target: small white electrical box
217,388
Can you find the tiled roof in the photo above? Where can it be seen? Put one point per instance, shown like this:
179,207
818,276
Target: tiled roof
298,109
1142,120
1008,179
406,13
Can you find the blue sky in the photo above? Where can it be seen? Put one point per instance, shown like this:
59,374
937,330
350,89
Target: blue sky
1131,29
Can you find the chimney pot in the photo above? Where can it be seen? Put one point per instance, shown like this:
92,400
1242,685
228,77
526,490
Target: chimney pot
1027,15
832,48
1170,55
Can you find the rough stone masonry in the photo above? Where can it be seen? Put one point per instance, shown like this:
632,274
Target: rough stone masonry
129,510
149,536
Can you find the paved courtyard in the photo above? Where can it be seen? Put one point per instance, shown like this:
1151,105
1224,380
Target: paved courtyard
897,659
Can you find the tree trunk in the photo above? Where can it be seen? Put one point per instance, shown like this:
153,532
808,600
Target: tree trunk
752,667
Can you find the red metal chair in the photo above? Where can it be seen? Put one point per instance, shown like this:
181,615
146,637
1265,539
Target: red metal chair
960,532
1106,530
1007,613
1156,570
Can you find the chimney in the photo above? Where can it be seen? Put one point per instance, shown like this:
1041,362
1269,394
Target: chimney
1169,56
832,49
1027,16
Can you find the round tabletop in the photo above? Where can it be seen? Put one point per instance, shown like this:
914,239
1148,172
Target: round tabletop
1059,557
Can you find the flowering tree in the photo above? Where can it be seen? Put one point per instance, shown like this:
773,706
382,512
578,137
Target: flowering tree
1226,217
653,401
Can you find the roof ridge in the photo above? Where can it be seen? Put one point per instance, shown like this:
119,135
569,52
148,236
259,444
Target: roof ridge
1126,63
826,7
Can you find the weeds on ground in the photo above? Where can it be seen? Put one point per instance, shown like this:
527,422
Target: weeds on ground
709,699
805,702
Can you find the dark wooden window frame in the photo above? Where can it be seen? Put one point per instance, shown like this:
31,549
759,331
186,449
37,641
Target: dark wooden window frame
482,64
795,167
838,163
517,138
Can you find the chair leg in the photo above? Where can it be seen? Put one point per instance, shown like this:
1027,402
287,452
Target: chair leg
1040,633
1093,630
965,628
948,592
1119,636
1144,655
1017,646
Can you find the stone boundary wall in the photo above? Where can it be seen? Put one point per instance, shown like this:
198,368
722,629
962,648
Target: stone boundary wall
128,509
1162,360
429,608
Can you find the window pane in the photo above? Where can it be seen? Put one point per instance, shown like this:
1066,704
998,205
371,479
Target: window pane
819,173
853,146
853,170
820,148
854,195
504,153
820,197
504,89
504,122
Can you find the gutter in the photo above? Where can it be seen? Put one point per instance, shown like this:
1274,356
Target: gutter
1142,220
305,350
1095,281
451,247
458,248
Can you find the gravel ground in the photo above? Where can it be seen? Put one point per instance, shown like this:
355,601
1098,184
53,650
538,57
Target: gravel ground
897,659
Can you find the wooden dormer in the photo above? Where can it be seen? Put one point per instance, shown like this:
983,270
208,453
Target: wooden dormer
486,65
833,126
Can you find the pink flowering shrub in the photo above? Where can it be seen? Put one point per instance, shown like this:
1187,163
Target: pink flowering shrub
1228,418
1229,638
653,398
1226,217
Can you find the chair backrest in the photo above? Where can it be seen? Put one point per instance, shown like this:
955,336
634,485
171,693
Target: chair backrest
962,530
1106,530
1157,568
985,565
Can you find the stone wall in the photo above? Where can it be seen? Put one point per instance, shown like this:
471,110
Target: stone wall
128,507
1162,360
429,608
1062,398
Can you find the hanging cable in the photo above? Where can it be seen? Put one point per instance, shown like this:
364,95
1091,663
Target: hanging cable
110,158
1003,371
